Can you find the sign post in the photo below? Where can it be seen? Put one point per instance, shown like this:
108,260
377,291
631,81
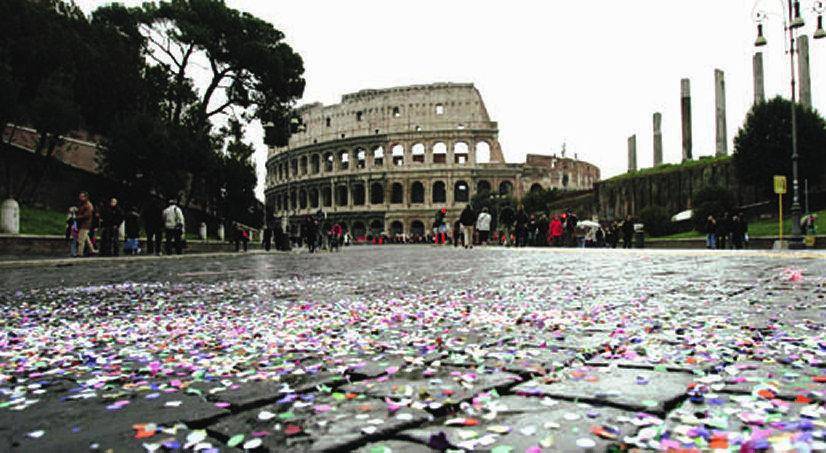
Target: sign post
780,189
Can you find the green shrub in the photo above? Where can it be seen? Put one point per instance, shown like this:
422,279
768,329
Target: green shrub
657,221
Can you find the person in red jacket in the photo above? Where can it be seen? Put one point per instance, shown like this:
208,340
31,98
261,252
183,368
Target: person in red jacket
555,231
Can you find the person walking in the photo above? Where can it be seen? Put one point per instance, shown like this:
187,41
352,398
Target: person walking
173,221
335,237
133,231
628,232
571,222
85,218
72,231
152,216
555,232
521,219
241,236
310,231
725,231
468,219
483,226
111,217
711,232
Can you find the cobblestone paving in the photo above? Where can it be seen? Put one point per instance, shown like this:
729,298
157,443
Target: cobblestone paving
416,349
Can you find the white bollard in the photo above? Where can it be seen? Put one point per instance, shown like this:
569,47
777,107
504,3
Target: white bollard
10,217
122,231
202,231
221,232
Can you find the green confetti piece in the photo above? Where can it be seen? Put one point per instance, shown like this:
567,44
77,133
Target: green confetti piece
286,415
235,440
502,449
338,396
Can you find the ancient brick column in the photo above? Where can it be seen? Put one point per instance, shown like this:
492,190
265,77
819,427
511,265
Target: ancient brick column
632,153
685,91
803,71
759,89
720,112
658,139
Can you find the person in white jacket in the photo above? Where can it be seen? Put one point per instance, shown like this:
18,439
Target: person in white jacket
173,219
483,226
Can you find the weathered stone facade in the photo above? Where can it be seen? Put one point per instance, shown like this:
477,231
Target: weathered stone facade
386,160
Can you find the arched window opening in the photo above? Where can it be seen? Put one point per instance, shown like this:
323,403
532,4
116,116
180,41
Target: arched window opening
505,188
314,198
378,157
461,153
361,158
417,192
329,162
536,187
302,199
397,228
341,195
482,153
315,164
376,228
397,194
327,197
358,194
376,193
417,228
359,230
418,153
439,153
439,192
461,192
303,165
483,186
344,160
398,155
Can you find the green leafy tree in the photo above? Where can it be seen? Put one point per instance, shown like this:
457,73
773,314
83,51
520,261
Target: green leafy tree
763,146
494,202
539,201
657,221
253,73
711,201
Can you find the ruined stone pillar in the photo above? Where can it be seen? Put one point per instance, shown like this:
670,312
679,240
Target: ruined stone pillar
803,71
632,153
720,112
658,139
685,91
759,89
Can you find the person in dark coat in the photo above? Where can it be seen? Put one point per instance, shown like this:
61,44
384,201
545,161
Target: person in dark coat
153,224
628,232
711,232
457,232
111,217
725,230
571,222
133,232
521,219
467,219
310,232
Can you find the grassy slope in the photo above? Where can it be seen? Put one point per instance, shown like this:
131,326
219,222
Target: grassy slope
42,221
39,221
762,228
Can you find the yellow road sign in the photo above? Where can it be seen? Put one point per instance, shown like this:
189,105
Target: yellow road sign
779,185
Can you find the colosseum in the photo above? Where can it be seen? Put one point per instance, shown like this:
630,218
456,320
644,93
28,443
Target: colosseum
383,161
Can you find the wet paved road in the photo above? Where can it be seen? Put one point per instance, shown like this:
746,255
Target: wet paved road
416,349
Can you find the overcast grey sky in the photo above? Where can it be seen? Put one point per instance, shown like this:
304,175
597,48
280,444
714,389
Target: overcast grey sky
587,73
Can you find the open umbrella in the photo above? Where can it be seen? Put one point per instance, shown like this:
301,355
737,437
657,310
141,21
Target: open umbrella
587,224
685,215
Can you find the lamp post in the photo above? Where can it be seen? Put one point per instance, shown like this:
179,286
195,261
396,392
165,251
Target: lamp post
792,22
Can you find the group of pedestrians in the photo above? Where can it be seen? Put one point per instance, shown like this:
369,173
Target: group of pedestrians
96,231
729,232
